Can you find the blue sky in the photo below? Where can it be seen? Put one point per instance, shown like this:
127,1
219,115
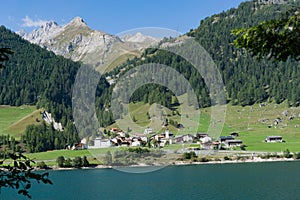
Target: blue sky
112,16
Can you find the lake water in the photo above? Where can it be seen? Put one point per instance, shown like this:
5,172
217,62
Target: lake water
277,180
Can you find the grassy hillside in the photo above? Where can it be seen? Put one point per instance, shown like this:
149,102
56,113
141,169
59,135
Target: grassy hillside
253,123
33,75
13,120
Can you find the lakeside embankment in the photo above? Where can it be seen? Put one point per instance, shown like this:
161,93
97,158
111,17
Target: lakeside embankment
180,163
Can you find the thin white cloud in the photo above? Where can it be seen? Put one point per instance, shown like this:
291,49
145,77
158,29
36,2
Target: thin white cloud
10,18
28,22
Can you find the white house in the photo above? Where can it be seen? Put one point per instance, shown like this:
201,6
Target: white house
140,136
164,141
136,143
184,138
148,130
121,134
205,139
101,143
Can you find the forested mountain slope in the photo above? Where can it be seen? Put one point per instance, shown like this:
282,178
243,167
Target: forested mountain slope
247,80
36,76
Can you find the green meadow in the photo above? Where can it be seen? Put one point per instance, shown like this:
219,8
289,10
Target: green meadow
13,120
253,123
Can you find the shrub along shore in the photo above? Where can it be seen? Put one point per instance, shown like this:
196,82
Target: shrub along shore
127,158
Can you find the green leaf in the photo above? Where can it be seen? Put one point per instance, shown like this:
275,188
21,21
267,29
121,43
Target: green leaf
16,164
28,186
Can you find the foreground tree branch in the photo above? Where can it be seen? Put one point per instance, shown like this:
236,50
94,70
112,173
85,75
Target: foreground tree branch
17,173
274,39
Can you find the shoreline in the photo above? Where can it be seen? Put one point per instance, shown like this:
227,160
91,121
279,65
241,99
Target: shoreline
176,163
255,160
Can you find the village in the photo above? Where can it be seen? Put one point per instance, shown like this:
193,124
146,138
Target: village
150,139
116,137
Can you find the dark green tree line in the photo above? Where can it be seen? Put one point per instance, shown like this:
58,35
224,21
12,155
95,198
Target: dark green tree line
40,138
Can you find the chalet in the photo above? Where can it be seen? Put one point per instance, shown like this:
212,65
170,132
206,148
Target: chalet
202,135
162,139
224,138
115,130
233,143
141,137
205,139
79,146
157,137
136,141
210,145
121,141
184,138
273,139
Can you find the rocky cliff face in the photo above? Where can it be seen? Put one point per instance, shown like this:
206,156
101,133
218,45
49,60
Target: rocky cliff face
273,1
44,34
80,43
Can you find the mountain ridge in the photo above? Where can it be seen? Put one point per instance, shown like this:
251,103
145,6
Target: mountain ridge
79,42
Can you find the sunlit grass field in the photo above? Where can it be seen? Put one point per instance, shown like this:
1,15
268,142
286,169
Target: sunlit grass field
13,120
253,123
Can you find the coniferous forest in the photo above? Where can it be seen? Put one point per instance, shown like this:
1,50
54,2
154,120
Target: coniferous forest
35,76
247,80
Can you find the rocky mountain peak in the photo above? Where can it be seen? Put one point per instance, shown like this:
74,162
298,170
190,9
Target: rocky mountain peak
49,25
77,21
43,34
138,37
80,43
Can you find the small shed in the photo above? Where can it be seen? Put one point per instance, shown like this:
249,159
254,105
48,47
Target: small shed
234,134
273,139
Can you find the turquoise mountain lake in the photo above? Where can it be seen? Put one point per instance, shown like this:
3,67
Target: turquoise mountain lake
276,180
